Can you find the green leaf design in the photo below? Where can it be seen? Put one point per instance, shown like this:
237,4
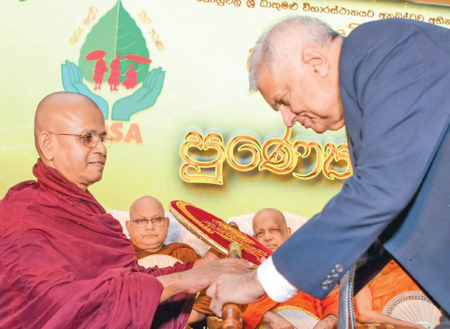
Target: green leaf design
115,33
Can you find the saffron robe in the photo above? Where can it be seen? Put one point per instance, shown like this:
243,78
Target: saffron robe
185,253
65,263
394,282
179,250
321,308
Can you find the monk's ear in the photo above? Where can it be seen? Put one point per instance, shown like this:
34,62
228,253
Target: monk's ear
316,58
168,221
128,225
45,145
289,232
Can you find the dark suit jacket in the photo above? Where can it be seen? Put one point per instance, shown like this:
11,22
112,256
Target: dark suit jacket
394,80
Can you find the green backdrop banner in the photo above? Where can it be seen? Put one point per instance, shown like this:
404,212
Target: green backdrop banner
171,80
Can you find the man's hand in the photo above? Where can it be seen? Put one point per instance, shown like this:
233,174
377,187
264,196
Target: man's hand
240,289
200,277
275,321
328,322
211,255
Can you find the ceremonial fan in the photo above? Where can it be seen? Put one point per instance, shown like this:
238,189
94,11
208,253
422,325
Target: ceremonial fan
298,317
158,260
220,236
413,307
217,233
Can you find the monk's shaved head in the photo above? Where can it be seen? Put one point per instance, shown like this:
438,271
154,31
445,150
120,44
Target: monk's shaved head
60,111
270,228
151,236
67,127
269,213
146,204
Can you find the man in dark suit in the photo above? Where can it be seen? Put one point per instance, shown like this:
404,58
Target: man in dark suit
388,83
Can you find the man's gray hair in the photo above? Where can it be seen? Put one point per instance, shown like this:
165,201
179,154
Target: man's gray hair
276,46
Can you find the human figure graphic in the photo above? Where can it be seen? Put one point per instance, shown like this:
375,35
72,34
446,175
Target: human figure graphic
124,108
131,78
99,71
114,76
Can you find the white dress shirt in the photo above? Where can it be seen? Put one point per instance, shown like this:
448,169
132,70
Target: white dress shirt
275,285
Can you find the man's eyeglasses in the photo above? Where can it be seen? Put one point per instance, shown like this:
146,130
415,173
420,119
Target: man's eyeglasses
143,222
91,140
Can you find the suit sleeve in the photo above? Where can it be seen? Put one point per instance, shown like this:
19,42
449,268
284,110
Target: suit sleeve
393,103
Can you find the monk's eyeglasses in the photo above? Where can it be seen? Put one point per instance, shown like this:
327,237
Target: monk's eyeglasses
91,140
143,222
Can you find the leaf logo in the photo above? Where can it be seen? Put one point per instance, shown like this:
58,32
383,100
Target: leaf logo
115,52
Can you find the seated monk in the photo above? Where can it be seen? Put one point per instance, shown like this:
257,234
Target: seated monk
270,228
148,227
64,261
371,300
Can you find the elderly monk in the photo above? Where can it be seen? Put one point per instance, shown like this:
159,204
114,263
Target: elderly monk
148,227
270,228
65,262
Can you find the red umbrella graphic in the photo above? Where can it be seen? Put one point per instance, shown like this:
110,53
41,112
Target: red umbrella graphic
95,55
138,59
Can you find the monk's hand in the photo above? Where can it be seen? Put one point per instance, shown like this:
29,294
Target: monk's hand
275,321
201,277
234,288
211,255
328,322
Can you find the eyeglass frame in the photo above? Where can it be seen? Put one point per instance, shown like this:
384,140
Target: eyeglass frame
104,138
149,220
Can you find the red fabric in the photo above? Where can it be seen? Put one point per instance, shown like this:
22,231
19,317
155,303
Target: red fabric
320,308
65,262
210,227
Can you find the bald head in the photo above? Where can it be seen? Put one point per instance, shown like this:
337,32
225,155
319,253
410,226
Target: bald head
60,111
146,204
63,126
270,228
151,236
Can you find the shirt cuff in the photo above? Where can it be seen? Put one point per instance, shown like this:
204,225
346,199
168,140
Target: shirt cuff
275,285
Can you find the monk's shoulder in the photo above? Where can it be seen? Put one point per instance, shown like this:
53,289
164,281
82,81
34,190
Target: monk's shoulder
183,252
22,192
19,198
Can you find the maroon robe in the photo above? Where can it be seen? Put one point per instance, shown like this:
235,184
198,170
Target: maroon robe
65,263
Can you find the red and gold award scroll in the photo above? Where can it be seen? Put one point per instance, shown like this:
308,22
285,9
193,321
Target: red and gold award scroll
216,232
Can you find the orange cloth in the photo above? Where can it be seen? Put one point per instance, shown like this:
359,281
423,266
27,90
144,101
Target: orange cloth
180,251
186,254
394,282
320,308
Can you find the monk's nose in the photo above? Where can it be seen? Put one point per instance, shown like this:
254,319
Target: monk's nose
100,148
150,225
